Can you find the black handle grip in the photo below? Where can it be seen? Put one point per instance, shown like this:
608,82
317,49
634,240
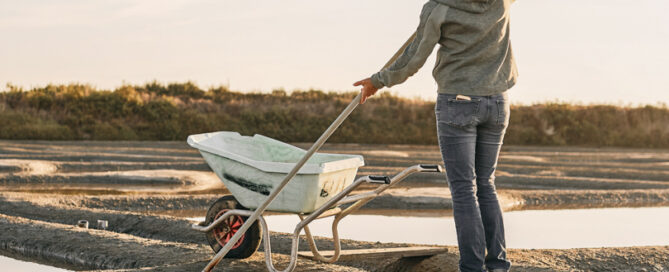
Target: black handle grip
430,168
379,179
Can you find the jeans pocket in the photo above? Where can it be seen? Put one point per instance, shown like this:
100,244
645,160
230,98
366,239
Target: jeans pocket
503,112
461,113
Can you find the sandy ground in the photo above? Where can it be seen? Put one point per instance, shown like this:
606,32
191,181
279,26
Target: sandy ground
144,188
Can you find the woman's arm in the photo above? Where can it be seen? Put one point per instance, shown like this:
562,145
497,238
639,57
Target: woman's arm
412,59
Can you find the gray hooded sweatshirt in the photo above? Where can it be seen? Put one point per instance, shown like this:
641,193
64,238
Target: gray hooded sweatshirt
474,56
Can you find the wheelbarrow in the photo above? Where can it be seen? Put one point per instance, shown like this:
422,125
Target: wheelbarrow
251,167
257,170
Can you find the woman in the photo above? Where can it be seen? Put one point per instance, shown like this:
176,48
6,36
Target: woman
474,69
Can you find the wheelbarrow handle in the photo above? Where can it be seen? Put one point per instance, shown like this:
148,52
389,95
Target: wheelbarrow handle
431,168
378,179
317,145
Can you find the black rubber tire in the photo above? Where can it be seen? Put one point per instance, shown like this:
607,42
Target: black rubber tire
251,239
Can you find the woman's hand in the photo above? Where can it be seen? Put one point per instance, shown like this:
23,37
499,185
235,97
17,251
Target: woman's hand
368,89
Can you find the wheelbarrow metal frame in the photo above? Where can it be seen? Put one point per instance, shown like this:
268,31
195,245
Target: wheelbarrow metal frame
330,208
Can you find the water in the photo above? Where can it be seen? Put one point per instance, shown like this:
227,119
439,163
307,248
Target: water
9,264
531,229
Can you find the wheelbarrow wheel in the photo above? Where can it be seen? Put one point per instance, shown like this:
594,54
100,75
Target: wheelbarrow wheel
220,235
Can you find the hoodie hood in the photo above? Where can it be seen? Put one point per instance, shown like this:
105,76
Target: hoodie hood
473,6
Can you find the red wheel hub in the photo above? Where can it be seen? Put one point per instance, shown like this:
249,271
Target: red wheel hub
224,232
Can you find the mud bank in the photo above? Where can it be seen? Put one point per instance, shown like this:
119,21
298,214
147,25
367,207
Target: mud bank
440,198
563,199
89,249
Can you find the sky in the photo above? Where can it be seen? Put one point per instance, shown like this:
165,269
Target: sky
594,51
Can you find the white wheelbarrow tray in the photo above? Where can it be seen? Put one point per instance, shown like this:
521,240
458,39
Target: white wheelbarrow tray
251,167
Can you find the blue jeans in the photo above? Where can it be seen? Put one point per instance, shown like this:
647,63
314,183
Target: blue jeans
470,137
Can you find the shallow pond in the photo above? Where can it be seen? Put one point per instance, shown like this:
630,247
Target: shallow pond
9,264
532,229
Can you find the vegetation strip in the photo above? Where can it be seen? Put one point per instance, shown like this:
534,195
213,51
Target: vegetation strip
172,112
